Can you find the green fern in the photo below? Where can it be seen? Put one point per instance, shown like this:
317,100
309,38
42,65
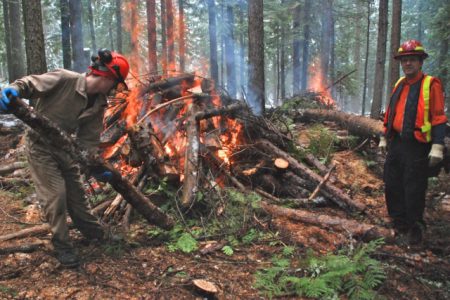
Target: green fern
227,250
186,243
355,274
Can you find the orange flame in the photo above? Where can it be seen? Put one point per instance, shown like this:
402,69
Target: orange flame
317,82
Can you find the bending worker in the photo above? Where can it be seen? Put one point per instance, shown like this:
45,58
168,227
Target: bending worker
414,131
76,103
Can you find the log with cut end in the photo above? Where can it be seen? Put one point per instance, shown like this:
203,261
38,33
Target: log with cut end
339,197
205,286
356,228
281,163
55,137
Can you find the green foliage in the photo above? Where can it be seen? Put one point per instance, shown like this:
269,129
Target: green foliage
355,274
227,250
186,243
8,290
322,142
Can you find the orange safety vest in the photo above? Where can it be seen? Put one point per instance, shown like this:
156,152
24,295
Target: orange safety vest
422,131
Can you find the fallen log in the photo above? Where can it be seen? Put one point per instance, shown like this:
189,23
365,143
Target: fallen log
9,168
188,79
54,136
14,181
356,125
339,197
356,228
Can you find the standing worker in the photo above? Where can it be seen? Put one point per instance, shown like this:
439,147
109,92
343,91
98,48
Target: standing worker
76,103
414,131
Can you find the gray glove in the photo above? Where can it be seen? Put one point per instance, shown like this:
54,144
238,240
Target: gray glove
436,155
382,145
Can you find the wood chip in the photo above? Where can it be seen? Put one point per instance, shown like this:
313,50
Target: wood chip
206,286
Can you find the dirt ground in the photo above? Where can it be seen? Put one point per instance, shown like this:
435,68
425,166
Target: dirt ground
143,268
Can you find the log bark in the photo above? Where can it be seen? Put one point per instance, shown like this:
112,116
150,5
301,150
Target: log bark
356,125
15,181
54,136
339,197
356,228
167,83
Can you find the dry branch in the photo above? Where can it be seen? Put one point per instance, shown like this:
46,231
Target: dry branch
27,248
9,168
32,231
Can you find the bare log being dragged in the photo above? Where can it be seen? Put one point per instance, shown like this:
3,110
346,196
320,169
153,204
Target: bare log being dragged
356,125
54,136
356,228
32,231
339,197
191,161
9,168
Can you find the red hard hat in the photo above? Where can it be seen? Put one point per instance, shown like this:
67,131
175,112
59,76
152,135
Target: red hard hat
411,47
110,64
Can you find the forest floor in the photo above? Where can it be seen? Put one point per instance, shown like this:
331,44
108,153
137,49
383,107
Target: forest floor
142,267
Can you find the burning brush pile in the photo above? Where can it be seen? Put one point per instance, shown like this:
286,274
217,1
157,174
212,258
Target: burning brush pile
181,133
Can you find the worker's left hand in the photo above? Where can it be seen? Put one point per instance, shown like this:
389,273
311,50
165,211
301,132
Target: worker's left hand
102,175
4,100
436,154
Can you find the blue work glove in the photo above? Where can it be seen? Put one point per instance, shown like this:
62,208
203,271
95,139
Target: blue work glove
103,176
4,100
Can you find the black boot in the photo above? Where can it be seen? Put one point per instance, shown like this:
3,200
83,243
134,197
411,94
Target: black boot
67,257
415,234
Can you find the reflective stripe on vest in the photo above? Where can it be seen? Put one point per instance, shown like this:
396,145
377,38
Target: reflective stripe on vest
426,128
425,91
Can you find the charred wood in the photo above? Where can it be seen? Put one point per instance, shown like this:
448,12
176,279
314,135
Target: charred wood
167,83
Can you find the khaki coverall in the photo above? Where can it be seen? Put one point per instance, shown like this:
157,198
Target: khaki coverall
61,97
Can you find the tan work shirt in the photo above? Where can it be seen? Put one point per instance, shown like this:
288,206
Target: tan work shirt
61,96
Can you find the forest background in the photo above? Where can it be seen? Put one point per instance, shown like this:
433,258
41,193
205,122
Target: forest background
302,44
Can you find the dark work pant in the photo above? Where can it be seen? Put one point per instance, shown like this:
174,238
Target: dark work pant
406,180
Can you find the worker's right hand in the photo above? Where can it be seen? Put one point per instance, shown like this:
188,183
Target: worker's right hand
4,100
382,145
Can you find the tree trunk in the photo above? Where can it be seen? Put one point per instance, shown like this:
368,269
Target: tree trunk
34,37
151,34
243,46
65,34
306,32
366,63
213,41
170,36
7,39
15,26
256,89
283,59
181,35
296,50
163,37
119,25
394,65
229,51
134,32
378,90
76,34
91,25
325,38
